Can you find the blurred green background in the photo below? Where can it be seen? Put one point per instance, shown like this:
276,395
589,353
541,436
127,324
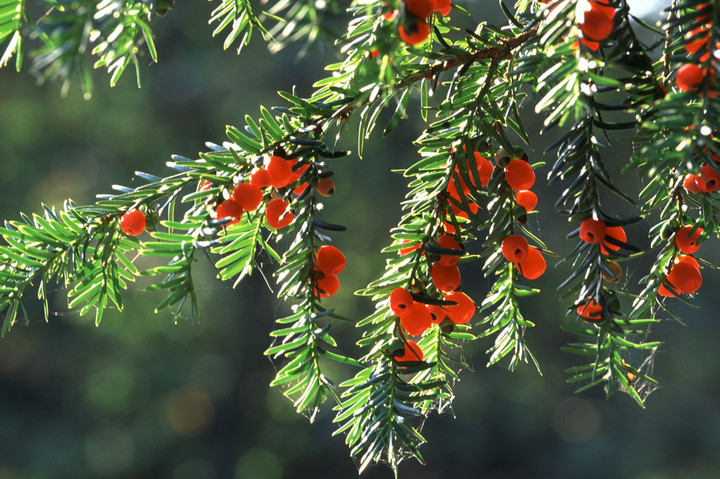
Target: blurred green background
142,397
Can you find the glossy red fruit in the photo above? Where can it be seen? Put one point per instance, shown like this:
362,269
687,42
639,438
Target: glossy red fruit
593,231
519,175
615,232
325,187
689,183
261,178
698,38
330,260
417,320
591,311
326,286
247,196
533,266
448,242
437,313
463,310
685,277
596,21
445,278
515,248
280,171
277,213
229,209
685,242
443,6
412,352
420,8
684,258
708,180
689,77
300,189
417,32
527,199
132,223
401,301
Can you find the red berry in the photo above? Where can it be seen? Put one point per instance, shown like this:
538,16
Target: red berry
247,196
229,209
420,8
683,258
401,301
325,187
461,312
685,277
686,243
277,214
330,260
417,32
261,178
596,21
300,189
445,278
437,313
708,180
615,232
417,320
689,183
519,175
412,352
533,266
326,286
443,6
515,248
593,231
591,311
527,199
296,174
132,223
448,242
280,171
689,77
698,38
409,249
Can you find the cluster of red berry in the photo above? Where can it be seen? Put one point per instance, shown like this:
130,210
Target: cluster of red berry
329,262
520,177
684,275
706,181
691,76
415,28
477,165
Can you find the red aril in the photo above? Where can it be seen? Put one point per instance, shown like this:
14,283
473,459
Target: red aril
417,320
448,242
445,278
326,286
330,260
132,223
412,352
519,175
277,213
417,32
615,232
463,310
593,231
515,248
533,266
527,199
685,242
247,196
591,311
401,301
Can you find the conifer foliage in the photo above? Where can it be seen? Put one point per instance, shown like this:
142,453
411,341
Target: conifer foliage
579,64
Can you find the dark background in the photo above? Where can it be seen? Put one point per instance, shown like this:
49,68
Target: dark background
142,397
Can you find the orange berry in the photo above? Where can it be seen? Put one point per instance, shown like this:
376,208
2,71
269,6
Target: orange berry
596,21
592,231
448,242
533,266
519,175
261,178
708,180
591,311
325,187
515,248
229,209
326,286
616,270
615,232
445,278
330,260
132,223
280,171
412,352
527,199
417,320
685,277
401,301
689,183
689,77
417,32
277,213
686,243
461,312
420,8
247,196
